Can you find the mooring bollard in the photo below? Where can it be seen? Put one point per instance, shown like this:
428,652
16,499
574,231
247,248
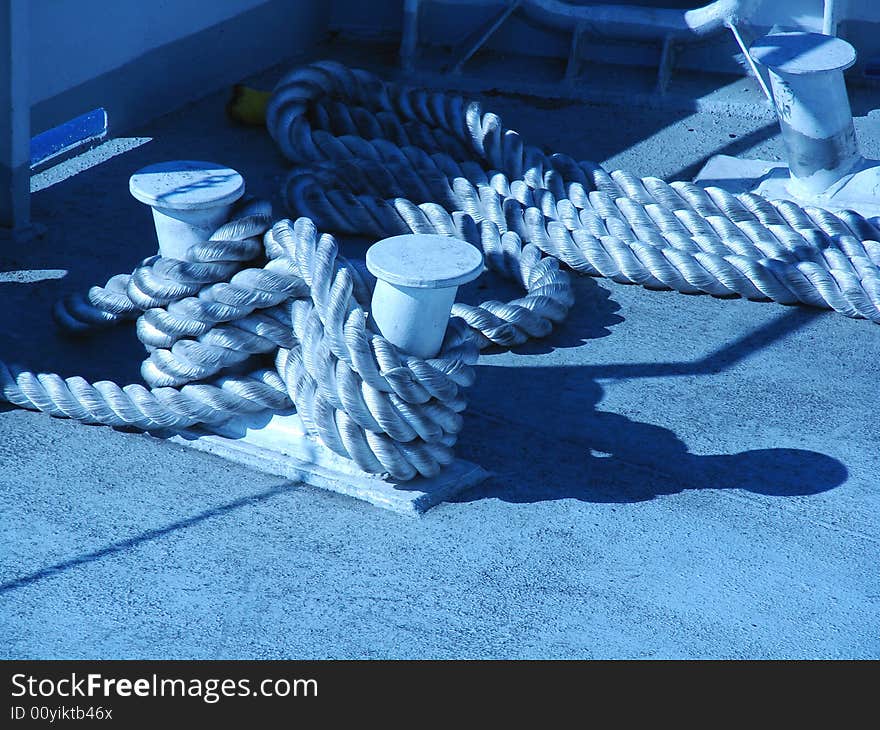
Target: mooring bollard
190,200
418,277
809,91
825,167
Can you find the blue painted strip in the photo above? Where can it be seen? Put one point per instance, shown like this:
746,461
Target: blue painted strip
89,126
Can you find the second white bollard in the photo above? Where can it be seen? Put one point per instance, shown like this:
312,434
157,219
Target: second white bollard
418,277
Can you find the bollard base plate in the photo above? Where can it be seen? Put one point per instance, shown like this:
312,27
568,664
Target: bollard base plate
278,445
859,191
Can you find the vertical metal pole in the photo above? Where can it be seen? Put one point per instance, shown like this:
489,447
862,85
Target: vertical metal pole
664,68
573,65
409,44
832,14
15,111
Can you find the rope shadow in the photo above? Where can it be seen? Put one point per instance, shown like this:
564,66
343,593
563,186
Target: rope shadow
592,318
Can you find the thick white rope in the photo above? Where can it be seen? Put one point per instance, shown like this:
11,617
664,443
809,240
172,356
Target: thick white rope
306,310
364,149
159,281
244,325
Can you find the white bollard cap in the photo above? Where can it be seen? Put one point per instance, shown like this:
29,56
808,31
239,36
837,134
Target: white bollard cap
797,53
186,185
424,261
418,277
190,200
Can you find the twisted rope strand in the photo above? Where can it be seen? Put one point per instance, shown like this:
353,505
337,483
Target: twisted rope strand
387,411
159,281
379,159
369,144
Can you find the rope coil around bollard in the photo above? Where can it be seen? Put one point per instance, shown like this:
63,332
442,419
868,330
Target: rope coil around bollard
265,317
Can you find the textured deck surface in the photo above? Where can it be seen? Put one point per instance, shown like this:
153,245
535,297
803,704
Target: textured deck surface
673,476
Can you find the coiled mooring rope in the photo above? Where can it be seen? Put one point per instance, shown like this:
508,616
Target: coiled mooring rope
379,159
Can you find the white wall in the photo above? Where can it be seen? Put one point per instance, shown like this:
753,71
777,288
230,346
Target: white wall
137,59
141,58
73,41
806,14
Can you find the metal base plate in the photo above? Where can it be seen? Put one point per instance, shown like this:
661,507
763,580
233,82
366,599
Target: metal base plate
859,192
278,445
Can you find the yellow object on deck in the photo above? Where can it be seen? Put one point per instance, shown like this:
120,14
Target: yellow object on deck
247,105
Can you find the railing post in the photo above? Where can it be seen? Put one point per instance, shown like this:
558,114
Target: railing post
15,113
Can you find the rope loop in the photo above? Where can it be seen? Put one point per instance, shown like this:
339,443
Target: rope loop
268,315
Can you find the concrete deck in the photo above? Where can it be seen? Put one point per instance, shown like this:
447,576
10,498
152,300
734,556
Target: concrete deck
674,476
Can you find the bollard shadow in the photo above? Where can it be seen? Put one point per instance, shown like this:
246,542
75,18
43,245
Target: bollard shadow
741,146
566,447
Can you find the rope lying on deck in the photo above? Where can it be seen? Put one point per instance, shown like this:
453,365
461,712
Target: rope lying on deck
306,309
378,159
366,148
